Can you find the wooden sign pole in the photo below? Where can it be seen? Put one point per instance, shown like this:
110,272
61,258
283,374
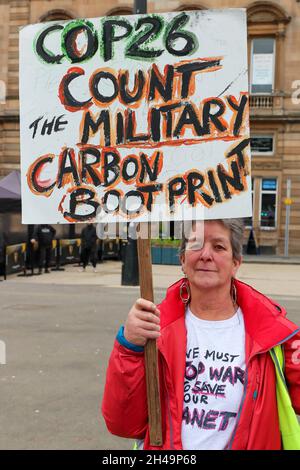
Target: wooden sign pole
146,288
152,378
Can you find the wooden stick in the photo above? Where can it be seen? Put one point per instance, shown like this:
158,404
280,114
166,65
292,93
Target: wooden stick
152,378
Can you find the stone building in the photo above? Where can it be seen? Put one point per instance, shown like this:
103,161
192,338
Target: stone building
274,74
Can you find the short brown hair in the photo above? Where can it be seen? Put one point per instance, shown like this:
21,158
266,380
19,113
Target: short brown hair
236,229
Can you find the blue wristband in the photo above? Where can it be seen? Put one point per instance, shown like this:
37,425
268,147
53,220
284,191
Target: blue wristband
123,341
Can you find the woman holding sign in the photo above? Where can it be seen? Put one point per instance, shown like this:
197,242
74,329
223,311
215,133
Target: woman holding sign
214,336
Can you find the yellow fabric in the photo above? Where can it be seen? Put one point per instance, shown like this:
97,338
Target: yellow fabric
288,421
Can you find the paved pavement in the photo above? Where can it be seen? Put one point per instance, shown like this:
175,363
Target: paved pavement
59,330
271,259
272,279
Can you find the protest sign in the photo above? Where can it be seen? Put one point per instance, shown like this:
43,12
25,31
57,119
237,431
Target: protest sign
136,118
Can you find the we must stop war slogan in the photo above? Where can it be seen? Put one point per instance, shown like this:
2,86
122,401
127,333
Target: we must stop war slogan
141,118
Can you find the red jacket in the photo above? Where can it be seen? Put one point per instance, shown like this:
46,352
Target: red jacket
124,404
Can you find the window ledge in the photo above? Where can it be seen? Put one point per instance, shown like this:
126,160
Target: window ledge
268,229
271,101
262,154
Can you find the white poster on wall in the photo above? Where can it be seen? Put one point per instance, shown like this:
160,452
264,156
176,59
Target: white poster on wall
263,68
135,118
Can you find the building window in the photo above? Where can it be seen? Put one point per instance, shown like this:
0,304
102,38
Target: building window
262,65
267,26
262,144
190,7
248,222
120,11
56,15
268,202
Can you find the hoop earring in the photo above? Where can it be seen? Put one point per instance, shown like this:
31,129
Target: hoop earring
233,292
185,296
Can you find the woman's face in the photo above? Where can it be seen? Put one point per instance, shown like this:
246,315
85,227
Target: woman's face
208,260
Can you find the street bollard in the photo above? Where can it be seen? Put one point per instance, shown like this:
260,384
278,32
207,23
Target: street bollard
130,267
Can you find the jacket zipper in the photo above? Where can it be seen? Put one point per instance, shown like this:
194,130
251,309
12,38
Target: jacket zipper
229,445
168,404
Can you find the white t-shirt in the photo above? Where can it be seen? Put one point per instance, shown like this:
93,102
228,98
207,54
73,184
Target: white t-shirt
214,380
